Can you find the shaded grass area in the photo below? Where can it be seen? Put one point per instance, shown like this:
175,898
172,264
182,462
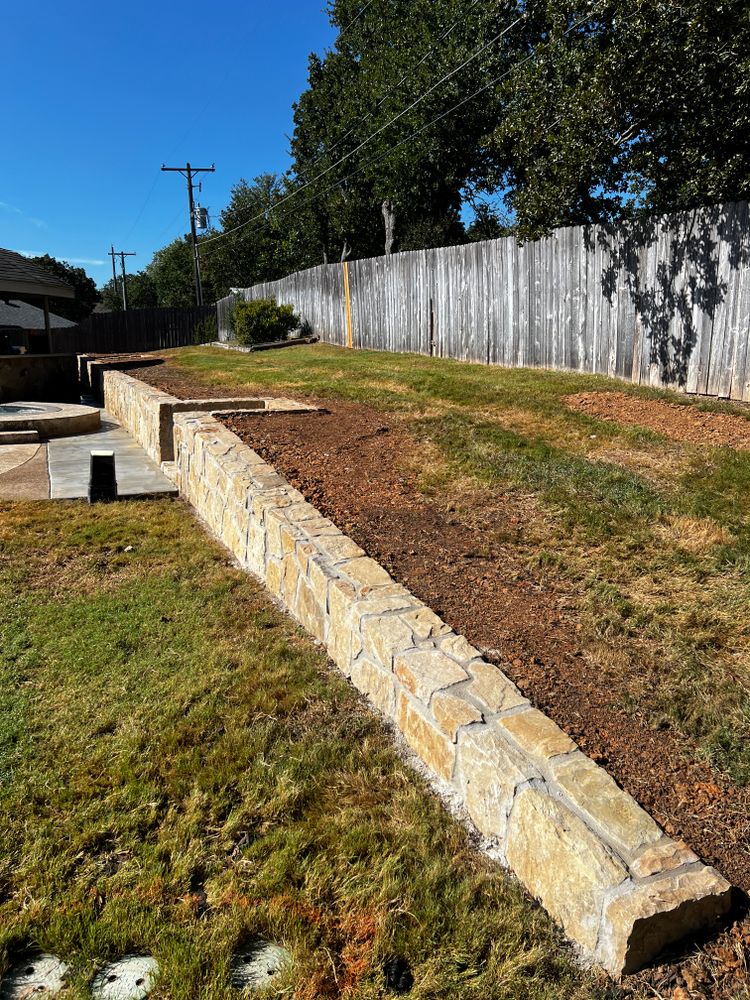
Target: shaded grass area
181,770
651,536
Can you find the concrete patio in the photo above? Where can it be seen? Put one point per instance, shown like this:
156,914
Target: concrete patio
59,469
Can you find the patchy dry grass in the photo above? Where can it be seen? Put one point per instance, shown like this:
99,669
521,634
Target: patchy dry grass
650,537
181,770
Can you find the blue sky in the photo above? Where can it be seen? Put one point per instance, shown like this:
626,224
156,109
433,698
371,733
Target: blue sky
97,95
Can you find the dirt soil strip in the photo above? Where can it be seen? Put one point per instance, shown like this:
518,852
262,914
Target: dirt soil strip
349,464
680,423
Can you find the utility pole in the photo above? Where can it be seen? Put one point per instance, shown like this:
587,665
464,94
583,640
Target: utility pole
188,173
112,254
122,254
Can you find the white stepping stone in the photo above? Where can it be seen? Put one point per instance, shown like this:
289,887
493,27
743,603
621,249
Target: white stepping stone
36,976
258,964
130,978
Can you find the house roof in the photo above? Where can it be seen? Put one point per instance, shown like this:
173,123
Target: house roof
20,276
16,313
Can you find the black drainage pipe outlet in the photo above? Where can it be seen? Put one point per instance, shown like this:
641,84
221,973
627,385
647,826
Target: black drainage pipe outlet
102,477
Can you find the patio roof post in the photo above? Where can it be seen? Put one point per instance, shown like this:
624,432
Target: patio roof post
47,328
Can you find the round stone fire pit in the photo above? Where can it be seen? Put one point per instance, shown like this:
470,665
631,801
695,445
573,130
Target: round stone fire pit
49,419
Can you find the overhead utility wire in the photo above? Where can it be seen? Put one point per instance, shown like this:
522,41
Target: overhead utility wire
396,86
348,155
353,20
412,135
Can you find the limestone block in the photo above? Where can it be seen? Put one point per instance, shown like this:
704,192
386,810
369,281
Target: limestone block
423,672
490,771
240,484
384,637
301,510
640,923
275,499
275,577
317,526
320,576
373,604
289,536
425,739
303,553
452,711
397,590
256,547
343,643
337,548
376,683
425,624
614,814
291,574
267,481
664,856
459,648
493,688
537,735
561,862
275,517
365,572
309,612
235,539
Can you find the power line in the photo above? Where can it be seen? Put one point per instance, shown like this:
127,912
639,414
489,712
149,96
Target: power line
353,21
378,132
143,207
388,153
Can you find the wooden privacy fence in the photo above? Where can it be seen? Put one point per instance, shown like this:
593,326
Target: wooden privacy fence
662,301
134,330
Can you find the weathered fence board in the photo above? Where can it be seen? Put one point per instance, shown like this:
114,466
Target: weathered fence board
135,330
663,301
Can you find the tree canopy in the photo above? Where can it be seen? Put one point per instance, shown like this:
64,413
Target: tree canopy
432,122
87,295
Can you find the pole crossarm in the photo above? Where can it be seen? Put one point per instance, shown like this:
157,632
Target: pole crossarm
122,254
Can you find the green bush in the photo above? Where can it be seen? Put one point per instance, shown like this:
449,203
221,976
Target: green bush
261,321
206,331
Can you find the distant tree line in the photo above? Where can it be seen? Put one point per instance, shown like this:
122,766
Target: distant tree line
584,113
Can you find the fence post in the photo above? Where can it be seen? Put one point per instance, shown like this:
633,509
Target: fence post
348,303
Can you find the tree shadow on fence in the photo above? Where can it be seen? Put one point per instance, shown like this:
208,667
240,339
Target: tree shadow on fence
670,270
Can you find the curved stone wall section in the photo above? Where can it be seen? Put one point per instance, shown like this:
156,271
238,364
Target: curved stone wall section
619,886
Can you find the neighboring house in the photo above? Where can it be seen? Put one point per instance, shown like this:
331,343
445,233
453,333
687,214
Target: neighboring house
21,281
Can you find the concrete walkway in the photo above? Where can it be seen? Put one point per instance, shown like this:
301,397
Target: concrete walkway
59,470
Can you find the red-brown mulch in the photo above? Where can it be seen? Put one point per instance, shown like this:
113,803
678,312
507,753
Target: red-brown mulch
351,463
173,382
673,420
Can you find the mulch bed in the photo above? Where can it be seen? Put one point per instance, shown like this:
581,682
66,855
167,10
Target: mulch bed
171,381
350,463
680,423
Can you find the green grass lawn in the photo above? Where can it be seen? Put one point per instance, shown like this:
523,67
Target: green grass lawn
650,536
180,769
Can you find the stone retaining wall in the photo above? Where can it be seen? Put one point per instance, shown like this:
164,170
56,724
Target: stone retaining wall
148,413
598,863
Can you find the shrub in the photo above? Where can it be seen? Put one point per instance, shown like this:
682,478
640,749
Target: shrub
206,331
261,321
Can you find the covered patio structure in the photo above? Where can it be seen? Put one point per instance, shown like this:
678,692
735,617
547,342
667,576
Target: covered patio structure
22,279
